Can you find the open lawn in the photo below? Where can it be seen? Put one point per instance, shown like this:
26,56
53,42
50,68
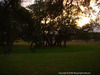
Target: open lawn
76,57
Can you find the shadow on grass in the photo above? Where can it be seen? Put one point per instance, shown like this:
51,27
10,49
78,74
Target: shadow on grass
69,48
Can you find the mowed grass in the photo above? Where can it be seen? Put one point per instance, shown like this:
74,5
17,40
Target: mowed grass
79,57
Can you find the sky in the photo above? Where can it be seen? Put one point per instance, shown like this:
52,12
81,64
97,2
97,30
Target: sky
27,2
1,0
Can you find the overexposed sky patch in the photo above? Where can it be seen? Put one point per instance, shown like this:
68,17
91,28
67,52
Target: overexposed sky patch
27,2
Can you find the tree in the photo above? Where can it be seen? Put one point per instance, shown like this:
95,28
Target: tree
39,13
13,19
85,33
57,17
42,10
7,23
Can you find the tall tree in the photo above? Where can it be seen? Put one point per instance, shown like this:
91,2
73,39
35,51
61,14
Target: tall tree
39,10
7,22
13,18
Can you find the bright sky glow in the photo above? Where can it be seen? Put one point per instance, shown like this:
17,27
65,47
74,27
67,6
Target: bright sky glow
88,15
83,21
85,17
27,2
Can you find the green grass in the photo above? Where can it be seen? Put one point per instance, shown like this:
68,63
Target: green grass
49,61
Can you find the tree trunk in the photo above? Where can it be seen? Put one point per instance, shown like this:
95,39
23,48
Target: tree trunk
31,45
9,47
65,43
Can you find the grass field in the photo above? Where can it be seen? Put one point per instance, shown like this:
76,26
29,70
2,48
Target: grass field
76,57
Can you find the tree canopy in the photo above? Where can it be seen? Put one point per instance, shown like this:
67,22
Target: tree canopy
45,23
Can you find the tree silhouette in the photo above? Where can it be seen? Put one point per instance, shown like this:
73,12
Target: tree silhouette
45,23
8,22
13,18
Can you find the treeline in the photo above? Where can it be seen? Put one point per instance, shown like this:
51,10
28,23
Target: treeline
44,23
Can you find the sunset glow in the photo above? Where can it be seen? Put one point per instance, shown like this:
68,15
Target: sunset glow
83,21
27,2
90,14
